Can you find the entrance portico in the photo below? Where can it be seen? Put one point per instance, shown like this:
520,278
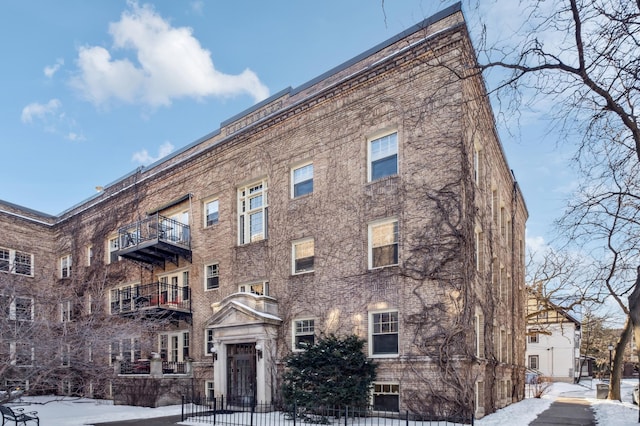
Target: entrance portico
244,330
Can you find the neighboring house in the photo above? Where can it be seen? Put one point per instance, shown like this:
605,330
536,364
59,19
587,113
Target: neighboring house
373,200
553,342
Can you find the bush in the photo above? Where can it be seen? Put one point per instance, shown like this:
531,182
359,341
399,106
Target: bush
334,372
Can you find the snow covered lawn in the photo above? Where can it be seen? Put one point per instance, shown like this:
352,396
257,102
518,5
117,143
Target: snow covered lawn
82,411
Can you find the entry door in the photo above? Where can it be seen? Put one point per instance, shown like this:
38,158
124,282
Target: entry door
241,374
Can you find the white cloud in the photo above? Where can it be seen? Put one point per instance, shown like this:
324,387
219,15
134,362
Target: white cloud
40,111
536,244
143,157
170,64
197,6
50,70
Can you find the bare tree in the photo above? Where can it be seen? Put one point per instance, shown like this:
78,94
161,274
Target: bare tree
582,57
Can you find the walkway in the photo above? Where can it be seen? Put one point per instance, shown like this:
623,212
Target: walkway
566,412
158,421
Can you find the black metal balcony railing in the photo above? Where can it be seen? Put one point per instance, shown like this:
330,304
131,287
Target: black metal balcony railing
136,367
155,240
174,367
158,295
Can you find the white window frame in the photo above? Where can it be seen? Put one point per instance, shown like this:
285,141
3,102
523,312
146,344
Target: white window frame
211,202
373,245
207,275
89,255
247,212
11,263
537,362
296,248
373,332
66,314
113,245
209,336
307,328
259,288
209,389
301,177
13,309
65,355
65,266
385,388
533,337
479,323
391,140
13,349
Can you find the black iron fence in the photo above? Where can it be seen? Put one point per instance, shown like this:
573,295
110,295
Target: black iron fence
219,411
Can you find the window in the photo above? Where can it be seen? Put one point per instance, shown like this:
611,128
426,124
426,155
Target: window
212,276
16,262
209,390
252,209
211,212
303,334
65,311
386,397
303,256
128,348
23,309
383,244
22,354
384,333
534,363
533,337
65,352
113,250
479,323
477,165
23,263
383,157
302,180
65,266
479,251
208,341
261,289
89,255
185,345
4,260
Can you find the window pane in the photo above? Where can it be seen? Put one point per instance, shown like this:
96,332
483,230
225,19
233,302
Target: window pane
23,263
255,202
4,260
304,341
386,402
385,167
212,212
304,256
384,156
385,344
255,226
303,180
23,308
302,188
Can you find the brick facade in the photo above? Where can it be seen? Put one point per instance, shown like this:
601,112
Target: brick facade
451,177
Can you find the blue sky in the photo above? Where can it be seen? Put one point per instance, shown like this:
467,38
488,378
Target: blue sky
92,90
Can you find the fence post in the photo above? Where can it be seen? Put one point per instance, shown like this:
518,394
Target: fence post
295,411
182,410
253,410
346,414
214,410
407,418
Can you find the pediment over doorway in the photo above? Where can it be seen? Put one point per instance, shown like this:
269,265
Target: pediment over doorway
242,309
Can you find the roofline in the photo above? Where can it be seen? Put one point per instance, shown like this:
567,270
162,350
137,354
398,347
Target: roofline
456,7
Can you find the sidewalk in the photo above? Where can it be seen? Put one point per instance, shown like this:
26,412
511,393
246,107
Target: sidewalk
566,412
157,421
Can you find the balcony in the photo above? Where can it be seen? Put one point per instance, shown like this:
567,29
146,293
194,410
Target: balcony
159,300
155,368
155,240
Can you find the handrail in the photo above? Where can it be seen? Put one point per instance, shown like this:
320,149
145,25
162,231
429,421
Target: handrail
154,228
152,295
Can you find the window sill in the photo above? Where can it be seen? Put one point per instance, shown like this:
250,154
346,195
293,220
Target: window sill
211,289
381,268
384,356
301,274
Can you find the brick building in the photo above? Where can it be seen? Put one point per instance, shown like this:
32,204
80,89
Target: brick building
373,200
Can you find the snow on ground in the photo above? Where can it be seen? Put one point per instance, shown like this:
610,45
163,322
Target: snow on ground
57,411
